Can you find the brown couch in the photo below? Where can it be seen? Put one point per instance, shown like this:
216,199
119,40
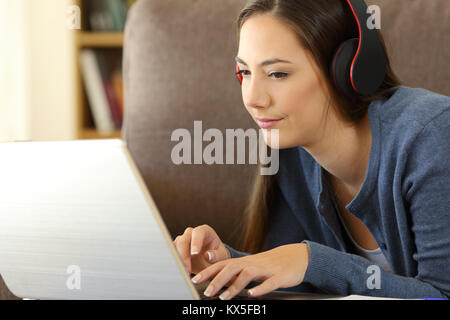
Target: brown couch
418,36
178,68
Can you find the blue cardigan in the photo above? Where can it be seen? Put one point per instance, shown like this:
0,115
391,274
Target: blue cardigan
404,201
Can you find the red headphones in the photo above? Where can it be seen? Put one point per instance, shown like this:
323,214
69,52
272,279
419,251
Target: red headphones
358,66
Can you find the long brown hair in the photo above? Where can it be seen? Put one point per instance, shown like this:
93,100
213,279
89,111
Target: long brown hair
321,26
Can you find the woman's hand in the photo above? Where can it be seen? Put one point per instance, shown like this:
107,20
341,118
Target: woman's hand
282,267
200,247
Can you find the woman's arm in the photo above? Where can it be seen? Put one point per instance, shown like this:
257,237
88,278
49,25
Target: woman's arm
426,194
345,274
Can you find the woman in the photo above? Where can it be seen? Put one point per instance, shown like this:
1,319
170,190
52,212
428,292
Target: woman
360,204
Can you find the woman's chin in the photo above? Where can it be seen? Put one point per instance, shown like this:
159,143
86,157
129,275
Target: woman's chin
278,141
272,138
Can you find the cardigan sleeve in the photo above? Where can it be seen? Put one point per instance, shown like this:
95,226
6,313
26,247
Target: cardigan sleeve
345,274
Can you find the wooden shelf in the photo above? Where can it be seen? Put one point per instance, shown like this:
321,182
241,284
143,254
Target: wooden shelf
100,39
88,134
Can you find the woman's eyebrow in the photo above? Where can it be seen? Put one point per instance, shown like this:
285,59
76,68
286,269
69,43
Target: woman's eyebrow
264,63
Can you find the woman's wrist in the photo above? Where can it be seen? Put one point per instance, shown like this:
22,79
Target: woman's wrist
305,245
304,259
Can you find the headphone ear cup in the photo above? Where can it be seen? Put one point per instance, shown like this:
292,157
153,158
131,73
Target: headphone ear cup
341,65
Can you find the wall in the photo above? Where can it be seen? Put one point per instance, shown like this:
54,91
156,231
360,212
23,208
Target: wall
37,101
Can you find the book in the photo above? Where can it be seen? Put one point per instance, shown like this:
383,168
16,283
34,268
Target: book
95,92
107,15
117,81
117,10
107,62
99,18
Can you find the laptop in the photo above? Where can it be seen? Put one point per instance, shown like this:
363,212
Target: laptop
77,222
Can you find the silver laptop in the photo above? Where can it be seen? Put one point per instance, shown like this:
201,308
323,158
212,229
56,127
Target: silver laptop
77,222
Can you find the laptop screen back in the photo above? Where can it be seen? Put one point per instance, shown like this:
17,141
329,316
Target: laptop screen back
76,222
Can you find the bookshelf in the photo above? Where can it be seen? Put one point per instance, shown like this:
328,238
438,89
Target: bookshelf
86,38
99,39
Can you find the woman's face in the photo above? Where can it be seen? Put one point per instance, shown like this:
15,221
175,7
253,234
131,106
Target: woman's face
281,82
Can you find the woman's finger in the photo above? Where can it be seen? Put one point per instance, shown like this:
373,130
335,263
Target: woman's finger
267,286
222,278
204,238
242,280
212,256
183,245
232,280
197,239
209,272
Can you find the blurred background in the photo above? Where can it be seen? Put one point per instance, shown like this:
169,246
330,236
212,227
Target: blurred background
61,72
60,69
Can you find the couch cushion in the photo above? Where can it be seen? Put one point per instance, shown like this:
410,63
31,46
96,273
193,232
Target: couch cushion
178,68
417,33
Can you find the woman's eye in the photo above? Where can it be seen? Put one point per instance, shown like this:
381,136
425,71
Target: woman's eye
278,75
243,72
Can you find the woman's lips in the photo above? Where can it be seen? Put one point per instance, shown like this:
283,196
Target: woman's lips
267,123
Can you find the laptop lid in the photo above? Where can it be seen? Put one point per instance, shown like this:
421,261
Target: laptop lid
77,222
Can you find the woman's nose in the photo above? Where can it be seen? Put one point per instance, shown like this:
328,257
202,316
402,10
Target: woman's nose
255,95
